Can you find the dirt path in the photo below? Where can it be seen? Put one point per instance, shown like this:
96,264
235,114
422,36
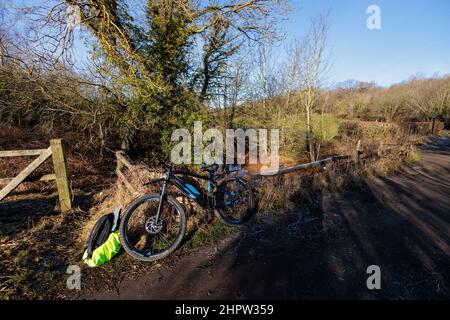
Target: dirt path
401,224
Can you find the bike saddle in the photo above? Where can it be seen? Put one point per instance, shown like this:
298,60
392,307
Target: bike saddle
210,167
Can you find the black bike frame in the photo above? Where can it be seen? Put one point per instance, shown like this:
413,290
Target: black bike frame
171,178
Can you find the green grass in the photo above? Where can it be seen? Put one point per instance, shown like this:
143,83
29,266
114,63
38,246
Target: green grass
207,235
29,280
296,124
293,133
329,124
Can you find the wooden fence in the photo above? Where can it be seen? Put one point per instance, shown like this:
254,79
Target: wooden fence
357,156
123,162
60,174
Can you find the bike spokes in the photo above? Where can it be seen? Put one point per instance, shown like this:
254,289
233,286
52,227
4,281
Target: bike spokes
234,201
148,235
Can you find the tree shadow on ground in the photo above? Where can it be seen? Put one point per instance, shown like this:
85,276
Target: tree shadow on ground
322,251
22,212
407,237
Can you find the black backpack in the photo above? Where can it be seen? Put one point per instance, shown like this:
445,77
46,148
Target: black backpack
101,231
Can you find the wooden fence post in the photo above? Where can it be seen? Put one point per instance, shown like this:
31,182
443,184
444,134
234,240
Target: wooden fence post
62,181
380,149
357,151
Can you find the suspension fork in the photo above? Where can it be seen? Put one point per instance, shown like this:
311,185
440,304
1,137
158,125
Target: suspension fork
163,195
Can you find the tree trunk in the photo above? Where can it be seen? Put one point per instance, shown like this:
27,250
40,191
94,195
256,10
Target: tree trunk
128,137
309,131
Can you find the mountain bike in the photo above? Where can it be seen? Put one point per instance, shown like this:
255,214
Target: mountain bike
154,225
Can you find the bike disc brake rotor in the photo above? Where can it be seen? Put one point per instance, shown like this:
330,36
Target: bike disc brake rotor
152,227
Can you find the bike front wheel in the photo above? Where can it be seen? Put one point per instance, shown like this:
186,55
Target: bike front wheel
146,239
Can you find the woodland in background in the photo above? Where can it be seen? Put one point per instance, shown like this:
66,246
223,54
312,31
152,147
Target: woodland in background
181,61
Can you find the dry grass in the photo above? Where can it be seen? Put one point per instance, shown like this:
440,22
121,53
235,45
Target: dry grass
118,195
33,264
287,191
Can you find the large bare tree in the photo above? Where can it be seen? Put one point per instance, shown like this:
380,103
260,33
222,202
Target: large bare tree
309,66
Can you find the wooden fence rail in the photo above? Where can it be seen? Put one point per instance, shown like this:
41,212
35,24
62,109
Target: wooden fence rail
45,177
55,150
21,153
124,162
356,157
315,164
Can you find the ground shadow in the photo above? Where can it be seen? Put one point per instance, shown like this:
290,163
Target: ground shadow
22,212
401,224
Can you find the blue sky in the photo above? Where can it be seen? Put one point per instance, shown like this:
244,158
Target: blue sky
414,38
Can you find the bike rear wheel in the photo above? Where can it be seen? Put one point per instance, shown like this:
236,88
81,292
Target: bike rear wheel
236,201
146,239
